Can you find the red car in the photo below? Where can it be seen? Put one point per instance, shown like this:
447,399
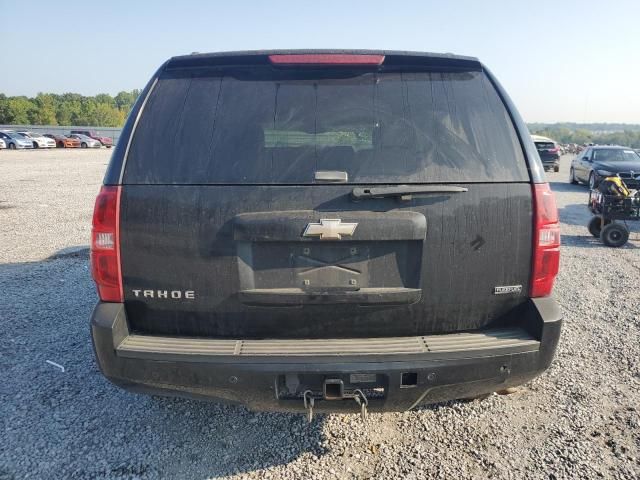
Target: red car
62,141
106,141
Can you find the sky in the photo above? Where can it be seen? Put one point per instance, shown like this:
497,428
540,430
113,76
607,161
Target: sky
560,60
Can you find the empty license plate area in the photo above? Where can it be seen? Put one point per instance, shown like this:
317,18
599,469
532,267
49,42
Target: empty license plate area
322,267
325,266
311,266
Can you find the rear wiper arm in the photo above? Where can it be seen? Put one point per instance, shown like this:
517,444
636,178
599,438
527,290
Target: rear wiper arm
403,192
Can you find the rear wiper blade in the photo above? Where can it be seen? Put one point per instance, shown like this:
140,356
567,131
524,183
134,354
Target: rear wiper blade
403,192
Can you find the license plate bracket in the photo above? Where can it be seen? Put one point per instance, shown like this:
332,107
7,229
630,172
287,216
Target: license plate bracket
320,266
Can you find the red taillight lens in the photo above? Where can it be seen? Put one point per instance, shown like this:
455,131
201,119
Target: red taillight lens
546,244
326,59
554,150
105,245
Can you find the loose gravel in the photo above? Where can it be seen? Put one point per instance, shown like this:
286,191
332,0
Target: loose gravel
46,200
581,419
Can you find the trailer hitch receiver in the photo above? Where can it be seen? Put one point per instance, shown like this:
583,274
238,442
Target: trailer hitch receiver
334,390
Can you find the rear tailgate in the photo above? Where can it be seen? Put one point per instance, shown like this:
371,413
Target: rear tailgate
226,231
547,150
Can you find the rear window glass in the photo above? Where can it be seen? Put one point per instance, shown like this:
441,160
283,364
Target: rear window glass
264,127
545,145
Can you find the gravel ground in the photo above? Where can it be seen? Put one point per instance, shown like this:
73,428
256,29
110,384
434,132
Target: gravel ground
581,419
46,200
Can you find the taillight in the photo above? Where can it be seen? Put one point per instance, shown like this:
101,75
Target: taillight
105,245
546,244
326,59
554,150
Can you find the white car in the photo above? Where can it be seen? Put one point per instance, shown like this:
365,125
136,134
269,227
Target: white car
2,144
86,142
15,141
39,140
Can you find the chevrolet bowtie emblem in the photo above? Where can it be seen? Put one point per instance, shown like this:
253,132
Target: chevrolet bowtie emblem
329,229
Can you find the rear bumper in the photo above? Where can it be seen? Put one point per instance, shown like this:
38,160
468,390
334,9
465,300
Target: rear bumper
550,162
262,377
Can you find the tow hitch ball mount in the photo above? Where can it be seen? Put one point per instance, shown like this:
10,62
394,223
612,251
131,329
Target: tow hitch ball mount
336,393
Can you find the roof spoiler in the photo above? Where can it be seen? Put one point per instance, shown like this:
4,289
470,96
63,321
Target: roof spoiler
262,57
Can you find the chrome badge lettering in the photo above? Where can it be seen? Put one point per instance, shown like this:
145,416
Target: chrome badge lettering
329,229
507,289
166,294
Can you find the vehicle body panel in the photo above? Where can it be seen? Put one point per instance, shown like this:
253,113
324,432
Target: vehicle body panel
197,247
433,287
592,162
106,141
275,382
84,140
15,141
62,141
548,150
39,140
228,281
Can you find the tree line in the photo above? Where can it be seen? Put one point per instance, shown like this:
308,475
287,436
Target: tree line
628,135
101,110
592,127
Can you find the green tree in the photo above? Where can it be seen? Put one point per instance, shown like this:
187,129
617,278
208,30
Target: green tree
19,110
589,133
106,115
125,100
104,98
45,111
67,112
4,109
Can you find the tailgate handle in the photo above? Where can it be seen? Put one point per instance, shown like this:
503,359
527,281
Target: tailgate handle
403,192
331,176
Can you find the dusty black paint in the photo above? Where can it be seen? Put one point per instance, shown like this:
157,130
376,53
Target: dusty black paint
182,238
222,241
415,264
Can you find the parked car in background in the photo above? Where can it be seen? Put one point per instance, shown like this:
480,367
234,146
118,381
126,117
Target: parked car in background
86,142
549,152
106,141
62,141
598,162
14,140
2,144
38,139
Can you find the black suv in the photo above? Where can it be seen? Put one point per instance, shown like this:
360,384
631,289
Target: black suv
549,152
329,230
